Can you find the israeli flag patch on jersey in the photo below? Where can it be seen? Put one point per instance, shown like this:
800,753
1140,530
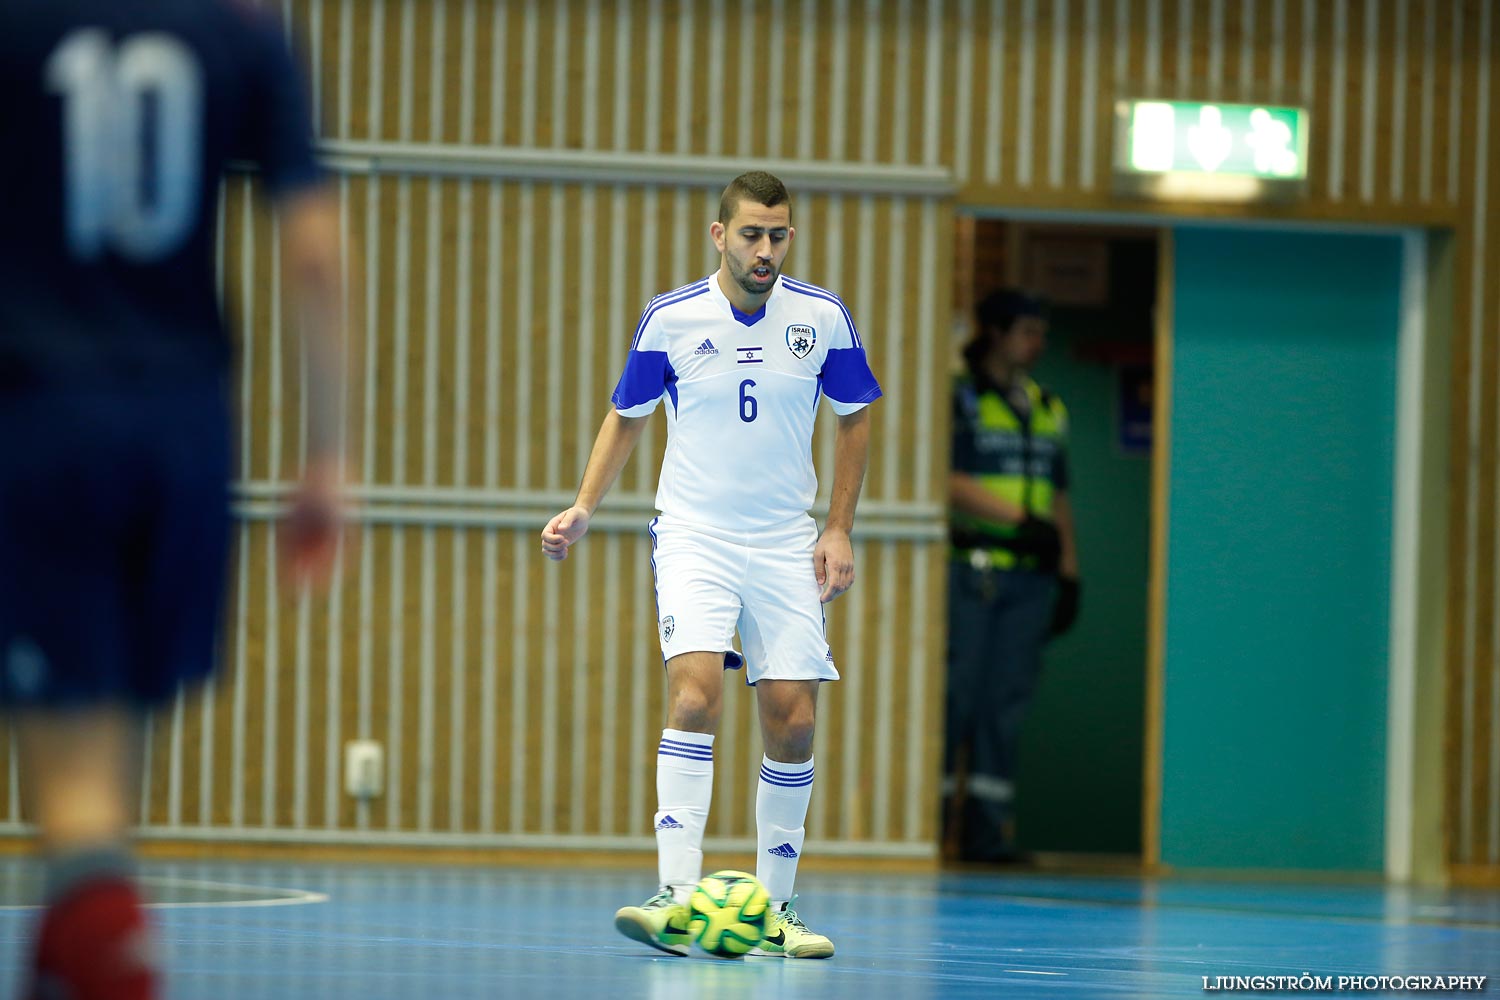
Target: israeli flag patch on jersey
800,339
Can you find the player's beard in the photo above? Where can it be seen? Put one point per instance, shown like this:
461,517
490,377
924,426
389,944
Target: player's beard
747,279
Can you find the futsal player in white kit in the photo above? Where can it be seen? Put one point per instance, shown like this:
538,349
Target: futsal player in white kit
743,357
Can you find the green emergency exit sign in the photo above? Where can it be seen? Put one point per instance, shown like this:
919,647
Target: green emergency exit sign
1241,151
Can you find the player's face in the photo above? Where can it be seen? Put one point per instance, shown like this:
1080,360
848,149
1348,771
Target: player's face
755,243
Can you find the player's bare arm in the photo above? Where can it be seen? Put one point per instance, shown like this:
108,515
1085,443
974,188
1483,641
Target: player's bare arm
617,439
311,253
833,559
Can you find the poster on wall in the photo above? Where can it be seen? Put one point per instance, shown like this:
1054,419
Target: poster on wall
1068,270
1133,414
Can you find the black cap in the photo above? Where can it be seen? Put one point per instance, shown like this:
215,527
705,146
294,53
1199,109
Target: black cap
1003,307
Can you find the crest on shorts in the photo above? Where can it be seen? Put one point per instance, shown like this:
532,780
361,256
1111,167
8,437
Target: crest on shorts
800,339
668,626
25,666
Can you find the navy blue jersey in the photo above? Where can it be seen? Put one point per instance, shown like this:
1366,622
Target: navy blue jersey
118,121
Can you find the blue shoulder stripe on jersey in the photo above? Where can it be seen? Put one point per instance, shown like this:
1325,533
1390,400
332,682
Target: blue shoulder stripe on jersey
667,299
808,285
802,288
690,284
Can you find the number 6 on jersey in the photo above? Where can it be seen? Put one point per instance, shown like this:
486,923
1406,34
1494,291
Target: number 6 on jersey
748,406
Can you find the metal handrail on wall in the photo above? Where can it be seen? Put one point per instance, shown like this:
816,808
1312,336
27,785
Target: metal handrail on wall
623,167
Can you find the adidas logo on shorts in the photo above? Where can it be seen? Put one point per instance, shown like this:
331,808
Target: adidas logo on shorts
707,347
784,851
668,823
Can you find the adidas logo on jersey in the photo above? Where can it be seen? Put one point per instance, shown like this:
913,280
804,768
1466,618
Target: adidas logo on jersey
707,347
668,823
784,851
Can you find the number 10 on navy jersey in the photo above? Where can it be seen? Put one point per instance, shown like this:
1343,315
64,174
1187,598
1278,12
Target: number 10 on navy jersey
125,193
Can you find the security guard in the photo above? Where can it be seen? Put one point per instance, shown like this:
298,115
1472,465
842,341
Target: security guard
1013,580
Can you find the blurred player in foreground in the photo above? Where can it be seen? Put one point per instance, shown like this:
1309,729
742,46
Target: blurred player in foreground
114,418
743,357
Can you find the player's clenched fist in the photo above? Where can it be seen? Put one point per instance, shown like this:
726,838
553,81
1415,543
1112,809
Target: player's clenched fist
563,530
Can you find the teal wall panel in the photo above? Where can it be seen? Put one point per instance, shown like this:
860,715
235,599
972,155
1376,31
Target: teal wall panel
1283,424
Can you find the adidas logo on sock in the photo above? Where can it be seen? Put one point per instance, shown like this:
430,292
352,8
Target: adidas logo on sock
707,347
668,823
784,851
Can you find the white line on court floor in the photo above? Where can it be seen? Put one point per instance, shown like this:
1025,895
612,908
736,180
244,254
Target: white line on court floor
289,897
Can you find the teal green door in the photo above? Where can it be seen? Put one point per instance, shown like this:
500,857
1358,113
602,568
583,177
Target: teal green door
1278,584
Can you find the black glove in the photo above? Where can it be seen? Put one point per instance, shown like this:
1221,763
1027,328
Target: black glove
1065,605
1038,539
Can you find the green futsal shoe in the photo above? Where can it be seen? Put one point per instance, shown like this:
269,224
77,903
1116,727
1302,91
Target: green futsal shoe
660,921
788,937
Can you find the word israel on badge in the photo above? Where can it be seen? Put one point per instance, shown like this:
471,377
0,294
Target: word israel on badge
800,339
668,626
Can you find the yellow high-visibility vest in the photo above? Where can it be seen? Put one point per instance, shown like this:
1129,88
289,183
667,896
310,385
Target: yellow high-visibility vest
1020,460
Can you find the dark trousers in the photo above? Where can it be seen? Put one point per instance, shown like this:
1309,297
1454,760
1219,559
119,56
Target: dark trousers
997,624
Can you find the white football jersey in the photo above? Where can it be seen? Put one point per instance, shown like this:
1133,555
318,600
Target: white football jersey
742,393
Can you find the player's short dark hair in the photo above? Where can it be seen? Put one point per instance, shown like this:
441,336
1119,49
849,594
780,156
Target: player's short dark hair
756,185
998,311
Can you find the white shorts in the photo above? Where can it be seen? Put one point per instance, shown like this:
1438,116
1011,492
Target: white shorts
709,584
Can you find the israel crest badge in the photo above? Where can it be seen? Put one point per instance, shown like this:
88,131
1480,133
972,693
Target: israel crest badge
668,626
800,339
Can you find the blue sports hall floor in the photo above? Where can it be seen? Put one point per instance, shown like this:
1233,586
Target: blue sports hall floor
283,931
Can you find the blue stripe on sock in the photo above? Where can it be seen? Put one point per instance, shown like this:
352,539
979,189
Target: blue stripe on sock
787,784
767,769
684,756
685,743
703,753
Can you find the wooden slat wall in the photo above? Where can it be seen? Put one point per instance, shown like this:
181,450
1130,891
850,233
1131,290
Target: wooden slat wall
504,379
520,701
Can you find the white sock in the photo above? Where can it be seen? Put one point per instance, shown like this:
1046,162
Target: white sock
684,791
780,818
